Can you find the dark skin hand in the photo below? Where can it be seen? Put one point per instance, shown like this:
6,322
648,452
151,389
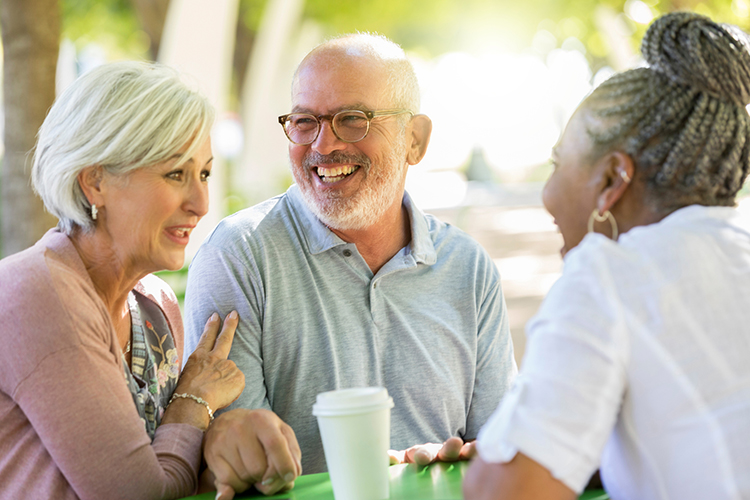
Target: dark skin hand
520,479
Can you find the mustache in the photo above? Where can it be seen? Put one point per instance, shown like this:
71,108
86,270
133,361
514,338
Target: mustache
314,158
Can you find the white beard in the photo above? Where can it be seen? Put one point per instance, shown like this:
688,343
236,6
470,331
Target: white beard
382,186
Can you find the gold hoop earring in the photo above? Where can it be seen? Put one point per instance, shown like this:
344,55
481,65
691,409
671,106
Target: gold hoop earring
601,218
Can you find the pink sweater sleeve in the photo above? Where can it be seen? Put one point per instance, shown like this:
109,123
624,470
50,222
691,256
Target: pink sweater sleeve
82,411
65,395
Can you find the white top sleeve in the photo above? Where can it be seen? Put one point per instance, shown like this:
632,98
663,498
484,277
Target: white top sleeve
563,406
638,355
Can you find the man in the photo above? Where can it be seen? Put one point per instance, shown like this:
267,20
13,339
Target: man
342,282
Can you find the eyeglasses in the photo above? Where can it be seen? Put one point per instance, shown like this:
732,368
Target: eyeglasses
350,125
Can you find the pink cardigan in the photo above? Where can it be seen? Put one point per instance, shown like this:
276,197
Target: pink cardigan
68,425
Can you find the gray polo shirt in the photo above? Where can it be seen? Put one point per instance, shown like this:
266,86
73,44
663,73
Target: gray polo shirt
430,326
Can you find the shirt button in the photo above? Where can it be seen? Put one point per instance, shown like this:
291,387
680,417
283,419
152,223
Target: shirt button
374,285
347,253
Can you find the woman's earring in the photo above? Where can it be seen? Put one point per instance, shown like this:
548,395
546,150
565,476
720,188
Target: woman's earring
625,176
601,218
94,212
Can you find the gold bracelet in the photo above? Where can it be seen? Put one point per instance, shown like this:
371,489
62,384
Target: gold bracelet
197,399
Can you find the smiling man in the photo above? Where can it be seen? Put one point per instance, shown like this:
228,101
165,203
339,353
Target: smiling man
342,282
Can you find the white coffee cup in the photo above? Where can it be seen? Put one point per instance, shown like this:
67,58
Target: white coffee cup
355,426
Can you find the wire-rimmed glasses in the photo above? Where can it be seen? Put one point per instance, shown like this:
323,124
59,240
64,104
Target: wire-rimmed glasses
349,125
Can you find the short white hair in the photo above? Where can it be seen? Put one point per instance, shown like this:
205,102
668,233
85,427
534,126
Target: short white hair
120,116
402,79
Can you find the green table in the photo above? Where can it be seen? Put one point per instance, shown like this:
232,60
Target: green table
439,481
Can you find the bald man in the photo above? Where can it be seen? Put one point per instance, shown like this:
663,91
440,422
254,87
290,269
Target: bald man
343,282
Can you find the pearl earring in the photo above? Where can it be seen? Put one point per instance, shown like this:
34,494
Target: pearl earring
94,211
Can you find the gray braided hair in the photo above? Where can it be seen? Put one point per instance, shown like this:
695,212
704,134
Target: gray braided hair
682,119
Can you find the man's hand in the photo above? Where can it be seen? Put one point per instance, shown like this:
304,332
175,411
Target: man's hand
251,447
452,450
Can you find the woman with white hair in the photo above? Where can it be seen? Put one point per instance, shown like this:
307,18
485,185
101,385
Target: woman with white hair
93,403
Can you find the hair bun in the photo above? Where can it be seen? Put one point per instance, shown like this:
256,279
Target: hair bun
693,50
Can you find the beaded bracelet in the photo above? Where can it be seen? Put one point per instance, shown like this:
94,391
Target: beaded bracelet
198,400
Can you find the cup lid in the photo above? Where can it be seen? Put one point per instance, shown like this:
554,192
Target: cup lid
352,401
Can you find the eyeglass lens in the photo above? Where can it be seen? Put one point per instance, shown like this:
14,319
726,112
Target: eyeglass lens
349,126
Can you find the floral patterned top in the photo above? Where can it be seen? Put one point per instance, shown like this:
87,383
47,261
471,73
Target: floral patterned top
154,360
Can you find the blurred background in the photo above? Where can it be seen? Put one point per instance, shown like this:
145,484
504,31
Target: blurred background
499,79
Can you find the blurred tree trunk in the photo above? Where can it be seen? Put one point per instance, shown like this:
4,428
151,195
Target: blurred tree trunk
31,42
152,14
243,46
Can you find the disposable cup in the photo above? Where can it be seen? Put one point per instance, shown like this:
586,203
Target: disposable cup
355,426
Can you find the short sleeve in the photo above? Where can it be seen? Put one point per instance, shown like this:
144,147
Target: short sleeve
496,365
219,282
564,404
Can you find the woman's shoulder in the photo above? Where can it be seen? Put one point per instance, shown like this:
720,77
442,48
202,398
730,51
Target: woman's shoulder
583,302
51,267
48,305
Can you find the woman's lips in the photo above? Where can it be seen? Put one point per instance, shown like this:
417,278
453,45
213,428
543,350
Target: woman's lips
179,234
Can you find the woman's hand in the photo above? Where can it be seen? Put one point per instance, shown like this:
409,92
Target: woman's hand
521,479
208,374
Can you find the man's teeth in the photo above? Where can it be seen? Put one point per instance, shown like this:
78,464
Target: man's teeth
333,174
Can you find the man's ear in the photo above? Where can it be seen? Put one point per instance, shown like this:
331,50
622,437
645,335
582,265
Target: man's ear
90,181
421,128
617,174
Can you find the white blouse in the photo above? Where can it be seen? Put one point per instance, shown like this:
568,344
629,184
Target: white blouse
638,362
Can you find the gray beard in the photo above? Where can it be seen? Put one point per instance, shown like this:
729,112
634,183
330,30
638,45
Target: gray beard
382,186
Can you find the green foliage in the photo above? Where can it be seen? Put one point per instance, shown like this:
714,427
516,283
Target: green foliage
110,23
428,27
251,12
433,27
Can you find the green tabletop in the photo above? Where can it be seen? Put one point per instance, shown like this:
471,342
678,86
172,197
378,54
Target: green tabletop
439,481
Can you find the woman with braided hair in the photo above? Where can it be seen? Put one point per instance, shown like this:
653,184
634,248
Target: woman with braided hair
637,362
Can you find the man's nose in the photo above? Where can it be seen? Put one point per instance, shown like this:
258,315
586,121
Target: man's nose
327,142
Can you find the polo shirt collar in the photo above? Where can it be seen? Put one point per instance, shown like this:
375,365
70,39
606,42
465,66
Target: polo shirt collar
320,239
422,247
